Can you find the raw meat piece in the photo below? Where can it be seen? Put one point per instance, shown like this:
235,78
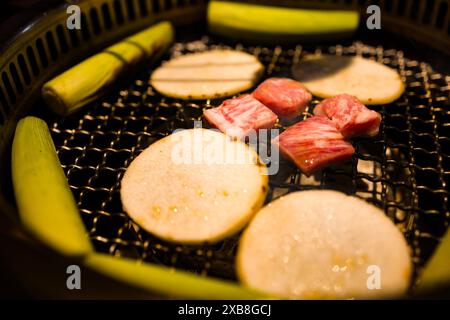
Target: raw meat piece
286,97
237,117
313,144
350,116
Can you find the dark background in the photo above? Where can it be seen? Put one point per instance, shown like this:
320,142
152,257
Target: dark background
16,13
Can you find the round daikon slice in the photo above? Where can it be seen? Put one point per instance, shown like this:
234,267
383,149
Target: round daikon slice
194,186
371,82
207,75
323,245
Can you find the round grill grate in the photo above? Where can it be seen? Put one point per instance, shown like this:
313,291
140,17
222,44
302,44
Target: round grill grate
405,170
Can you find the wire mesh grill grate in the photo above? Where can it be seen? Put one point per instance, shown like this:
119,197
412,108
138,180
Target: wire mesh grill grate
405,170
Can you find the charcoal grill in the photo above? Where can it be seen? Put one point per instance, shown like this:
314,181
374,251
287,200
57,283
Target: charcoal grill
405,170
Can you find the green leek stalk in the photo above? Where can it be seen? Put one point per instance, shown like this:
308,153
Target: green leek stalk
270,24
437,271
44,200
47,208
88,80
168,282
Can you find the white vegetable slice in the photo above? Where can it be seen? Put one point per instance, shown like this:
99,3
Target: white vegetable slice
323,244
371,82
207,75
182,189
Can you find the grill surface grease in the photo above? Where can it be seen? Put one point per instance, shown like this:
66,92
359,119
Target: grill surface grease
405,170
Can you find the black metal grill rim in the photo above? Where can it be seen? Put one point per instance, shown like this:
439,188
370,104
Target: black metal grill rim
405,170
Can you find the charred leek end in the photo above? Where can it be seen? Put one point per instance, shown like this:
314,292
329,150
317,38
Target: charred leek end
269,24
89,79
45,202
170,283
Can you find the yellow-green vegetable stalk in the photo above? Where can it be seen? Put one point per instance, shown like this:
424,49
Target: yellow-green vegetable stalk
167,282
46,204
270,24
436,273
89,79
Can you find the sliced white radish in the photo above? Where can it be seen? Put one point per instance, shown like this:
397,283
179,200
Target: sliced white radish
194,186
371,82
323,244
207,75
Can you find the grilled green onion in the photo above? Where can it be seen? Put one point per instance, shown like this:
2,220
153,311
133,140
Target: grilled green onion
46,204
272,24
171,283
89,79
437,270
